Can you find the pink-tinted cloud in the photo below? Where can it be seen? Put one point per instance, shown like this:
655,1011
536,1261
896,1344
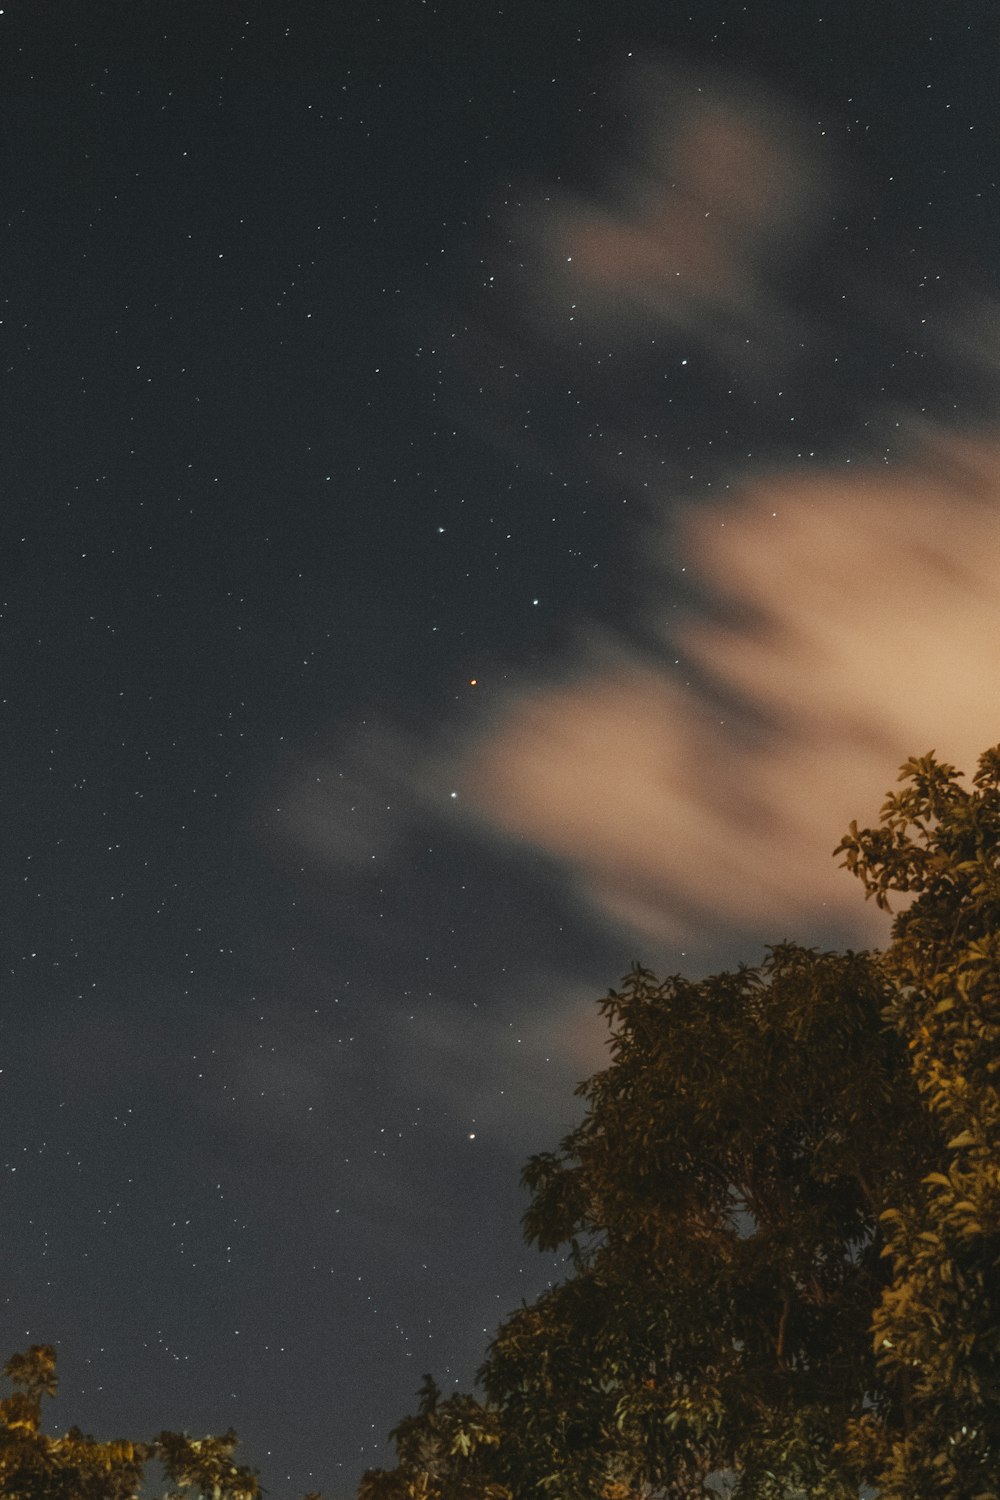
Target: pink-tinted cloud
868,604
689,227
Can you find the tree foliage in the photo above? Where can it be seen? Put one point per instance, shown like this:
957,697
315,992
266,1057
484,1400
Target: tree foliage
443,1452
937,1326
35,1466
781,1217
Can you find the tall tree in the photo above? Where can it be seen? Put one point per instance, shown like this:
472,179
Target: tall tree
780,1214
937,1325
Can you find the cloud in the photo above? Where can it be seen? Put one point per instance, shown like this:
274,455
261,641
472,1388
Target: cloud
874,594
861,628
508,1077
690,228
343,808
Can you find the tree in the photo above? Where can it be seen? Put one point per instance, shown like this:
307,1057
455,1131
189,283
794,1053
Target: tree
34,1466
937,1325
781,1216
443,1452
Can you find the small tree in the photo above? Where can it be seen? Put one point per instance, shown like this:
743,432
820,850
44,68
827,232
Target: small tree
34,1466
441,1453
780,1212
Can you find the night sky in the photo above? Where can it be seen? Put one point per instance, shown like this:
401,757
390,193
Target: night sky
488,493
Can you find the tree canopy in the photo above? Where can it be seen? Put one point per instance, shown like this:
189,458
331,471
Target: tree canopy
35,1466
781,1218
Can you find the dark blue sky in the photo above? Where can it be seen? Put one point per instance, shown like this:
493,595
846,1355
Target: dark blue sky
292,452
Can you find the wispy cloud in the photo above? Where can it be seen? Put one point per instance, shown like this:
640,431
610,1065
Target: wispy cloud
694,218
507,1078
